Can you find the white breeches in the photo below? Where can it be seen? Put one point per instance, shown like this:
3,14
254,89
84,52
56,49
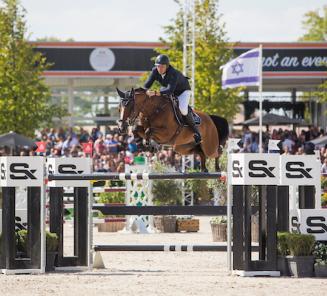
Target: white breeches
183,100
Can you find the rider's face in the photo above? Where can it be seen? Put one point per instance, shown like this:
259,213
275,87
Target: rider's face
162,69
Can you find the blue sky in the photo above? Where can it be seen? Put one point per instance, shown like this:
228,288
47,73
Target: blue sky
142,20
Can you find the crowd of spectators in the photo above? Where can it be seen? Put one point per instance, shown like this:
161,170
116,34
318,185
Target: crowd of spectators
111,151
290,142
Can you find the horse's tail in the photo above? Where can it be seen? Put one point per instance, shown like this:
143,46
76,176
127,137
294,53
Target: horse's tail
222,128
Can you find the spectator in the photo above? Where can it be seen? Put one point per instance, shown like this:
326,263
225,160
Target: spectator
246,139
324,167
111,144
99,146
288,143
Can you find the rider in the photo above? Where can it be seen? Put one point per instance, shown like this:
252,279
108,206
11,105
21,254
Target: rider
174,83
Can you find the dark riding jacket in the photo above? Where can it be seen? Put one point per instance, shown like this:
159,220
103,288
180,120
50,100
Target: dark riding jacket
173,82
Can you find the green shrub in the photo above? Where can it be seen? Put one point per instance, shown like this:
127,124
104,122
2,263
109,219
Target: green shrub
111,197
52,242
21,240
320,253
166,192
282,246
300,244
199,188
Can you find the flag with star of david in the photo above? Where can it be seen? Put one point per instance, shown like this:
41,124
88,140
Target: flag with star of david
243,70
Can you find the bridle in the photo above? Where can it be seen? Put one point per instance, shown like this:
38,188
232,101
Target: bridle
130,101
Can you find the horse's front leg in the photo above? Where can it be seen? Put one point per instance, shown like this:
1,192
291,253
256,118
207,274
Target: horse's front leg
139,135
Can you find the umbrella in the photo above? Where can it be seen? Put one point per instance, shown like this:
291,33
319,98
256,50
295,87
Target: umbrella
13,140
319,142
272,119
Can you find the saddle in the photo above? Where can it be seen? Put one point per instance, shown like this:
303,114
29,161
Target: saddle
178,114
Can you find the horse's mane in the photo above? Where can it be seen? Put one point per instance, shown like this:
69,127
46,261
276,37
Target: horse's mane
140,90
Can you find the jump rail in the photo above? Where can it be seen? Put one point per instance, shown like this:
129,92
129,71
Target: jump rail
136,176
164,210
163,248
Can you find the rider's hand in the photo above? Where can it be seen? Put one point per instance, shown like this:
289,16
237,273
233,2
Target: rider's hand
150,93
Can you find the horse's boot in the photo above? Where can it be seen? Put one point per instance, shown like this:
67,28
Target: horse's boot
190,121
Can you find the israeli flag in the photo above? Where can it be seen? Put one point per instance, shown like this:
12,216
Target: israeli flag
244,70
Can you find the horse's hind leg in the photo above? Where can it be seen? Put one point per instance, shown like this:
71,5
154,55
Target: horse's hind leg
217,167
220,152
203,161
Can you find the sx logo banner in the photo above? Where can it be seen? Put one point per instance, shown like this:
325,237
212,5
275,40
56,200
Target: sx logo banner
21,171
70,166
273,169
254,169
299,170
18,171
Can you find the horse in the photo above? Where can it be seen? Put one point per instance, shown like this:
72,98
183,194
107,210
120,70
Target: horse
158,121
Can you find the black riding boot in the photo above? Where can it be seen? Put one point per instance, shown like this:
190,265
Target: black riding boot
190,121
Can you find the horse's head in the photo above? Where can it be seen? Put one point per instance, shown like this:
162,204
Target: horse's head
131,104
126,109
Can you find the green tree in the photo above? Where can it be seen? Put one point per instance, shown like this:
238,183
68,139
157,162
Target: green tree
24,97
315,24
212,51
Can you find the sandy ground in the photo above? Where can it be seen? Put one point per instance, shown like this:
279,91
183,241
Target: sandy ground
157,273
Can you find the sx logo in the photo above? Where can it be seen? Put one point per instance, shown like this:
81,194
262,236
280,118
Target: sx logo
65,169
257,169
237,169
18,171
293,167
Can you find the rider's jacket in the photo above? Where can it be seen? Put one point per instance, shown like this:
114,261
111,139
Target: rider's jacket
173,81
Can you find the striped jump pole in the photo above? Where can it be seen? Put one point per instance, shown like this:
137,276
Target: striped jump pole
135,176
98,261
164,248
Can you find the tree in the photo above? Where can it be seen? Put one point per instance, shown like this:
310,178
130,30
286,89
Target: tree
315,24
212,51
24,97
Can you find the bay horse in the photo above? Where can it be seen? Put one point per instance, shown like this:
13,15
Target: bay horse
157,121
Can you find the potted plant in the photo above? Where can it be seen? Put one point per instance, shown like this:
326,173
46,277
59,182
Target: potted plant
187,224
320,253
52,244
300,261
21,243
219,228
282,252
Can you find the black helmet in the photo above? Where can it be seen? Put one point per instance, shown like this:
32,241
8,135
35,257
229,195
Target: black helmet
162,60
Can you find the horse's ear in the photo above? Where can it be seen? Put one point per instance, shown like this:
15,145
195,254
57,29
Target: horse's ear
120,93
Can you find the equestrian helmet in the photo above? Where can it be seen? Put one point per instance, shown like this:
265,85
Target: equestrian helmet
162,59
